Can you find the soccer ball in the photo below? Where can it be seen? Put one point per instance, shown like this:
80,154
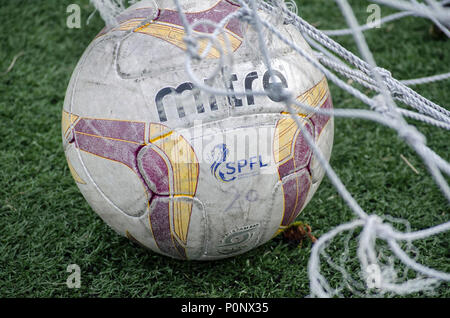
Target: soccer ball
183,172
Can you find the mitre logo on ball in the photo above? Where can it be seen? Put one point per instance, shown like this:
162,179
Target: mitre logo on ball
184,172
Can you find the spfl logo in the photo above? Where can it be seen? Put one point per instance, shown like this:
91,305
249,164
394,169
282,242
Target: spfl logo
232,170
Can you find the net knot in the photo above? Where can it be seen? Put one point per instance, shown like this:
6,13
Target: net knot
384,73
380,103
373,221
246,16
412,135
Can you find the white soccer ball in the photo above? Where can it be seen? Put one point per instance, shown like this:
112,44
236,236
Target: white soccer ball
188,174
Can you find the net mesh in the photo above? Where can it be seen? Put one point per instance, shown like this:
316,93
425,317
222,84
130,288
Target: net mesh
378,255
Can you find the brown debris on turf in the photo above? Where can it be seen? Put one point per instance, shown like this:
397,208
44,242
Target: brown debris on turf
297,233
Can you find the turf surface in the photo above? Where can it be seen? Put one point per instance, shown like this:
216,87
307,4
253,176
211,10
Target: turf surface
46,224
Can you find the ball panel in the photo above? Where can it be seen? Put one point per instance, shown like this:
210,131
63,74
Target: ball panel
117,212
295,188
155,168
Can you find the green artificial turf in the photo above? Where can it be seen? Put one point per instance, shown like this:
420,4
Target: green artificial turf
46,224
